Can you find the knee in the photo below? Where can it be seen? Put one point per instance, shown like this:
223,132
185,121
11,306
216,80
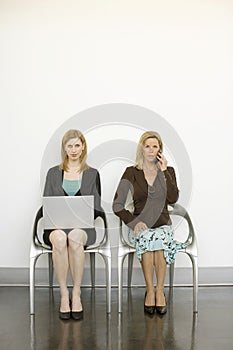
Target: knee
58,239
77,238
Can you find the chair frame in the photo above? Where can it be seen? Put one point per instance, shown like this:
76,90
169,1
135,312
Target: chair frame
125,249
38,248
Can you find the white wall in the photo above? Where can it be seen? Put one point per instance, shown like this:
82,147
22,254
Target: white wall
61,57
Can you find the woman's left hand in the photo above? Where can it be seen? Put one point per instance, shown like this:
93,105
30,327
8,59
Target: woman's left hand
140,227
162,161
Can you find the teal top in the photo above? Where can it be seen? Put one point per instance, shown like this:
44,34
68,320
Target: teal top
71,187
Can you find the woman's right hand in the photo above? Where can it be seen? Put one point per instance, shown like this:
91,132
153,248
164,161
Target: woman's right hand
139,227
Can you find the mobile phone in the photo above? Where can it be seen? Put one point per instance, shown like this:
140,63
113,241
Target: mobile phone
156,159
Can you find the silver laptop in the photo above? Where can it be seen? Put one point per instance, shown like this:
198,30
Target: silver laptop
68,212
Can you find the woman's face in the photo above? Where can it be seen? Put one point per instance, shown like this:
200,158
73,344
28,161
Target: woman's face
74,148
150,149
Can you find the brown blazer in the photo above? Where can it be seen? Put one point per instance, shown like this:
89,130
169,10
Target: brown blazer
150,202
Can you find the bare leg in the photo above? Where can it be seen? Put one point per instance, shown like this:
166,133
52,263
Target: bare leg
58,239
148,271
77,239
160,271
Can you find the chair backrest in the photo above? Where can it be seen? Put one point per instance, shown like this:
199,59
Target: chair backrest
177,210
124,229
102,230
37,239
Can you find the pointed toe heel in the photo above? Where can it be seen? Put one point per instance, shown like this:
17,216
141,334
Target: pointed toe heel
161,310
64,315
150,310
77,315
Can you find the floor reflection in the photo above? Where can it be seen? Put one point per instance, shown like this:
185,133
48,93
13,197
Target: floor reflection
93,332
98,330
155,332
179,329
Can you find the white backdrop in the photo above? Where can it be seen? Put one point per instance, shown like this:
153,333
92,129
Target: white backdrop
61,57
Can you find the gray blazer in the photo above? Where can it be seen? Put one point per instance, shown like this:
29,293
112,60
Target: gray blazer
90,185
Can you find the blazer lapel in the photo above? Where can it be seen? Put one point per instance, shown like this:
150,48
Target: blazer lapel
162,180
140,179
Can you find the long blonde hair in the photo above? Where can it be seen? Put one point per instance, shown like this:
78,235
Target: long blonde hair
71,134
139,153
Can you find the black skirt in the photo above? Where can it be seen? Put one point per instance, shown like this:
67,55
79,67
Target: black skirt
91,236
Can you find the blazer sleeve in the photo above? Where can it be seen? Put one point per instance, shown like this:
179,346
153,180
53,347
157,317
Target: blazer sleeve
125,185
97,195
48,189
172,189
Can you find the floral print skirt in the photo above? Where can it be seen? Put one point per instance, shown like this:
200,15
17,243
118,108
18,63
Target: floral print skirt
159,238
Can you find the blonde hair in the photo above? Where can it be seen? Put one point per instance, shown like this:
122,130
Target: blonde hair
72,134
139,154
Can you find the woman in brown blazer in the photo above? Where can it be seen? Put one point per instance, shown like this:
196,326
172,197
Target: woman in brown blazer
153,186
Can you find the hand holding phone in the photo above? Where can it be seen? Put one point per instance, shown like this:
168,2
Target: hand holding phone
158,157
162,161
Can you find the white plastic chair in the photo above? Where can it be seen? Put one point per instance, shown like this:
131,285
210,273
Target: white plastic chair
38,248
124,249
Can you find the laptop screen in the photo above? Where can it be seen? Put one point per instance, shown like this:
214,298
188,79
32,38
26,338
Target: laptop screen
68,212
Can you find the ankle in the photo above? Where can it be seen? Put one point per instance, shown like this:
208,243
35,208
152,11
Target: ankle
150,290
77,305
149,297
76,292
76,299
64,304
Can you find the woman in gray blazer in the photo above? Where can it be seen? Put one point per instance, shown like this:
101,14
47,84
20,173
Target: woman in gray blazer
72,177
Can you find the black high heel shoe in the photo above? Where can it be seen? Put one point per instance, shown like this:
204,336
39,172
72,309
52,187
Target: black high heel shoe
161,310
65,315
150,310
77,315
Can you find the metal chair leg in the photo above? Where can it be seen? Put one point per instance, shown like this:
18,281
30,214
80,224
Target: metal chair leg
194,260
32,286
108,270
171,275
50,270
92,262
32,283
120,281
130,268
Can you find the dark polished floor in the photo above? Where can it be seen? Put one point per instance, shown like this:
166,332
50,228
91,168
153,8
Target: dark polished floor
179,329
